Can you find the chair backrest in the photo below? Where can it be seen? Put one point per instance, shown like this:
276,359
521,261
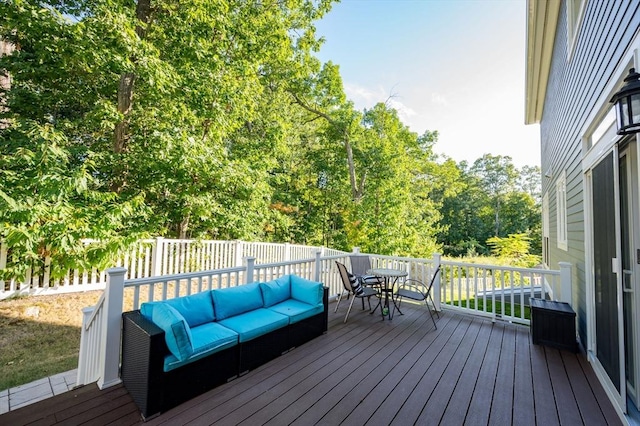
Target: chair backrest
344,275
433,278
360,264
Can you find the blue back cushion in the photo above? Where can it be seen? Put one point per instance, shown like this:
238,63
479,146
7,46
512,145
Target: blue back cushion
276,291
196,309
233,301
306,291
177,332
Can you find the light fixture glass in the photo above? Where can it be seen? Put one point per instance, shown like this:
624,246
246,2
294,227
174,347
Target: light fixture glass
627,104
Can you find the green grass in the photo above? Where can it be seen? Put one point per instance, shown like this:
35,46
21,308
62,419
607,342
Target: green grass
36,351
513,310
40,336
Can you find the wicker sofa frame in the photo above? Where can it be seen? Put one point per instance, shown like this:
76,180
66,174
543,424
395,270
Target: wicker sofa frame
155,391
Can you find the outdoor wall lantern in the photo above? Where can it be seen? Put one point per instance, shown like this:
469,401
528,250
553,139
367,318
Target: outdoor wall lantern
627,104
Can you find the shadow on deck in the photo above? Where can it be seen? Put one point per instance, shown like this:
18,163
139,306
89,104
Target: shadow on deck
468,371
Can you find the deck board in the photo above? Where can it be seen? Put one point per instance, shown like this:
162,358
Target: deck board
523,383
480,404
598,391
545,404
469,371
502,402
466,383
565,400
586,401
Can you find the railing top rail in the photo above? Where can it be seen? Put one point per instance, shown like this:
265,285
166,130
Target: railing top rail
297,261
195,240
96,309
397,258
191,275
503,268
181,276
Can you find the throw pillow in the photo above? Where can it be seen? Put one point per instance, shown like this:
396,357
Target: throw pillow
356,286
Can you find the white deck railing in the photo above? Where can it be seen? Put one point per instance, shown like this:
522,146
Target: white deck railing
461,286
150,258
500,292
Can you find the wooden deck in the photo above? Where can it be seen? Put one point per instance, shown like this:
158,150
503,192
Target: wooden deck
469,371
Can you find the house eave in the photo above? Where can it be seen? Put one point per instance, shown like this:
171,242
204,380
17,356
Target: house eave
542,20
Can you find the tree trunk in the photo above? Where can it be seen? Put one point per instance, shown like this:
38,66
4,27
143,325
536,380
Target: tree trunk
125,97
183,227
497,217
357,188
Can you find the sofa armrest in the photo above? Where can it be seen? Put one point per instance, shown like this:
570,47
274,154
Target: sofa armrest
143,352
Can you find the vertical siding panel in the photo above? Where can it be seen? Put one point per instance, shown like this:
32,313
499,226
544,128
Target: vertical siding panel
575,85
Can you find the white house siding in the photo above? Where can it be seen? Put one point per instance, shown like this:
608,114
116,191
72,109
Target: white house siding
575,84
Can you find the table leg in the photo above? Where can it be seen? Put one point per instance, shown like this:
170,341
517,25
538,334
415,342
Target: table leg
393,300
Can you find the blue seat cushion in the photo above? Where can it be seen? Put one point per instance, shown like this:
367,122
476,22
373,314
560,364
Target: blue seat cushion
306,291
207,339
296,310
177,332
233,301
255,323
276,291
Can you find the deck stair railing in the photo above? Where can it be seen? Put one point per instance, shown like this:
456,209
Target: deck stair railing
460,286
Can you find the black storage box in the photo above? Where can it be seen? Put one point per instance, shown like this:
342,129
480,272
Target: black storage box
553,324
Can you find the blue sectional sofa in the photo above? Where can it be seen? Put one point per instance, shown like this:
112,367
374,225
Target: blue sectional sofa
177,349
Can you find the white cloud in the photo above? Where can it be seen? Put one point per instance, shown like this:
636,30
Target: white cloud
363,97
439,99
404,112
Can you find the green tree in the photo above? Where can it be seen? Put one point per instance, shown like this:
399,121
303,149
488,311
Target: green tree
169,113
497,177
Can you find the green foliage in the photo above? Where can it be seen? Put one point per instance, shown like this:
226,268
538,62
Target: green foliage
514,247
232,129
491,199
49,204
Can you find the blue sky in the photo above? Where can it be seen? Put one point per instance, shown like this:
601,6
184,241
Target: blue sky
456,66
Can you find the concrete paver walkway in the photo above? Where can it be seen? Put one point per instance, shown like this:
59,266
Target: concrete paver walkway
14,398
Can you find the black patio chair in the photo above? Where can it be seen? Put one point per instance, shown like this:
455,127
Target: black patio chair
416,290
353,288
360,264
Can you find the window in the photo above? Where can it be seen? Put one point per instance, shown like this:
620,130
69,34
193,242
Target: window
545,229
605,130
575,9
561,210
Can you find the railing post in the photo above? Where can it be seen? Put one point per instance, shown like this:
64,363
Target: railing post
83,372
287,252
565,282
156,257
356,250
435,291
317,266
248,263
239,253
110,345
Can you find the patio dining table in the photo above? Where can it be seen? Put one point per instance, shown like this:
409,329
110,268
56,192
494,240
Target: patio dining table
390,276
